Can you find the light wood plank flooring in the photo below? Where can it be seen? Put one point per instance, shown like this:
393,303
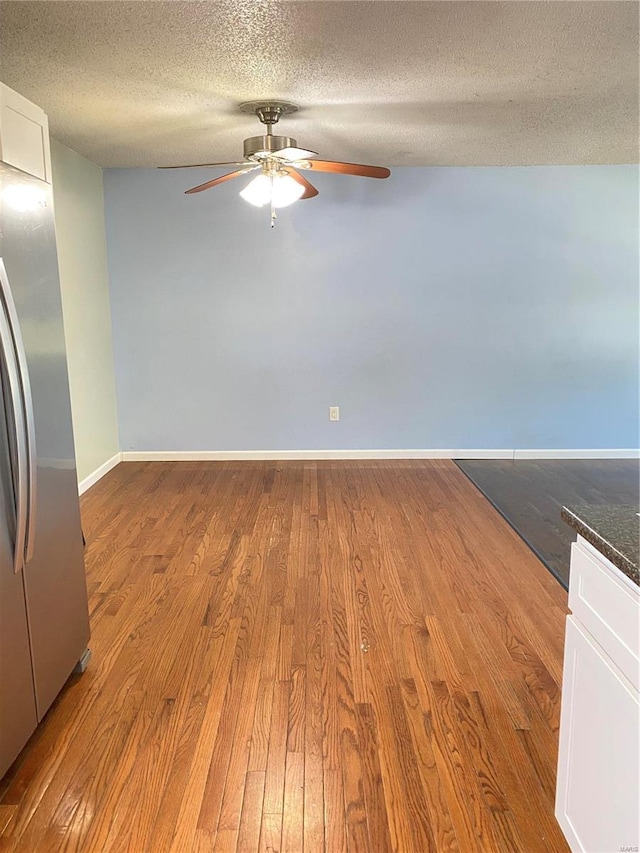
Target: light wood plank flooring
327,656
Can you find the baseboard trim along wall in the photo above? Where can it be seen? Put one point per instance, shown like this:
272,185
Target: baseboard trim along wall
236,455
628,453
93,478
239,455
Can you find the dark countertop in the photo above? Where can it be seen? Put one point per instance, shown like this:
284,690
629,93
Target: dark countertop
613,529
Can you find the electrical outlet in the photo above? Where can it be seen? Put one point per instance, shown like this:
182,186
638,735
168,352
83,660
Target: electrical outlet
334,413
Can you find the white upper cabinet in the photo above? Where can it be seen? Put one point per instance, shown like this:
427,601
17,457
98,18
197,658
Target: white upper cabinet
24,135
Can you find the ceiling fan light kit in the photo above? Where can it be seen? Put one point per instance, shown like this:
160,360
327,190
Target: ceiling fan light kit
279,183
279,189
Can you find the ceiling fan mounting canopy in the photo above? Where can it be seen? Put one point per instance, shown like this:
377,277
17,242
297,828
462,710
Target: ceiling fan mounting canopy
269,111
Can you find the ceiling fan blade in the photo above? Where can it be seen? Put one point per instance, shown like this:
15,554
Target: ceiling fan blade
309,190
345,168
220,180
201,165
294,154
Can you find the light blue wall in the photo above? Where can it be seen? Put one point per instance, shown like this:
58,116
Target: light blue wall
443,308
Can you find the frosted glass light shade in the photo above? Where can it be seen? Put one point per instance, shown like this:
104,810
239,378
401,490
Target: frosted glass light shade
258,191
285,190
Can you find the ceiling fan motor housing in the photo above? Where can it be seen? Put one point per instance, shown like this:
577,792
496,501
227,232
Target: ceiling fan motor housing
258,147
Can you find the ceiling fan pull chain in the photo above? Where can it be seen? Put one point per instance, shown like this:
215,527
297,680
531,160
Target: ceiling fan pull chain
273,208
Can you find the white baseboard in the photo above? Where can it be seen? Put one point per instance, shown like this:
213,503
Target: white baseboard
93,478
577,454
238,455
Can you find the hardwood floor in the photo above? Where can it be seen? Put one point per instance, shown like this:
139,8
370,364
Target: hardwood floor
530,493
296,657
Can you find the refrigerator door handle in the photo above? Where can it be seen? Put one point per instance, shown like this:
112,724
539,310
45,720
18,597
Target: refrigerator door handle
20,389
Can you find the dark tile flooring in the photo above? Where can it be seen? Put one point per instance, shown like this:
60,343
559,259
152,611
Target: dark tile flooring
529,493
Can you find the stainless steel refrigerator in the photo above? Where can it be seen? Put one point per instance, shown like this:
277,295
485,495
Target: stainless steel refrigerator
44,625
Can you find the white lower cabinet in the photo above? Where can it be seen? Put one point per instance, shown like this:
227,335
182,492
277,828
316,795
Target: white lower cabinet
598,797
598,788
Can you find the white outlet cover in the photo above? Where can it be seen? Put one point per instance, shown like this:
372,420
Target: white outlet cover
334,413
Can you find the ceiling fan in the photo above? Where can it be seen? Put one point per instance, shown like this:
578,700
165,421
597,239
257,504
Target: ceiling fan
279,160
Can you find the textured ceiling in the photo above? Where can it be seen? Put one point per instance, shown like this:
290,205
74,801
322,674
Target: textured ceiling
395,83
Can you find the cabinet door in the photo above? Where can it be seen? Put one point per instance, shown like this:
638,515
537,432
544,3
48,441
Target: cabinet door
24,135
599,760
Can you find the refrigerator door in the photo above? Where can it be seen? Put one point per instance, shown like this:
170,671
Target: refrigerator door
17,698
54,575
